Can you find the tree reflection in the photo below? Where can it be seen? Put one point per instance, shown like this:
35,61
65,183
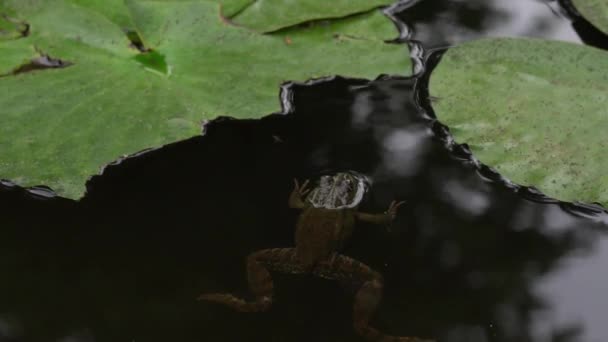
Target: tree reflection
443,23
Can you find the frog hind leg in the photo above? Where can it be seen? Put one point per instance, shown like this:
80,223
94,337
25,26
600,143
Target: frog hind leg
368,296
260,282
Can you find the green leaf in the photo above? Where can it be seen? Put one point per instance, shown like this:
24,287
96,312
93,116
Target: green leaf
272,15
117,11
259,15
535,110
232,7
596,11
370,26
14,54
59,126
10,28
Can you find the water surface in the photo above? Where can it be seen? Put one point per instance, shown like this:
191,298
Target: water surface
468,258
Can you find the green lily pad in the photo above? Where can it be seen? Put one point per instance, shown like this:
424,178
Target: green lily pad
258,15
58,126
272,15
117,11
537,111
18,52
10,28
596,11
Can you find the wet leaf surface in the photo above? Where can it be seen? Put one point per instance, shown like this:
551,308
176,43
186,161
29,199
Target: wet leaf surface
272,15
16,53
535,110
114,101
11,28
258,15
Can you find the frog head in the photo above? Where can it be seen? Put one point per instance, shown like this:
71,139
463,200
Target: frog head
338,191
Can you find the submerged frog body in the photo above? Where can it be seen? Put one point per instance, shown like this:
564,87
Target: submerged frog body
327,219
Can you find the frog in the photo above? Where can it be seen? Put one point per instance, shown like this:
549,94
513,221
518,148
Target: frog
327,219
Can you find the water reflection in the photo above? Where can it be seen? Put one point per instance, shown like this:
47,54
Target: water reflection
443,23
585,310
467,258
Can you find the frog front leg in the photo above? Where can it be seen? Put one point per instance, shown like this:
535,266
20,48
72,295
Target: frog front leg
383,218
259,279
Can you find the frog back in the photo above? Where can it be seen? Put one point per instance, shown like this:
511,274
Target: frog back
321,231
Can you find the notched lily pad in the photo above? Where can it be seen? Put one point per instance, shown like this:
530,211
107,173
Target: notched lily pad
535,110
59,126
40,63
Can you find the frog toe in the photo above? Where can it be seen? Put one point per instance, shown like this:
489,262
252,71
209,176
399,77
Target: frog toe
261,304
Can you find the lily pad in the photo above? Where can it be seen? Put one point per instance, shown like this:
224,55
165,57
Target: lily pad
11,28
596,11
258,15
535,110
272,15
105,99
18,52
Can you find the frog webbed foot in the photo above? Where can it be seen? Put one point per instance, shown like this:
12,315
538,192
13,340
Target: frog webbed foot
392,209
296,198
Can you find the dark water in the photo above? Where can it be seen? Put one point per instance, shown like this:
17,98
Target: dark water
468,258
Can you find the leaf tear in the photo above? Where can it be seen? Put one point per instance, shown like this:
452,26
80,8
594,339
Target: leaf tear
154,61
136,41
21,28
42,62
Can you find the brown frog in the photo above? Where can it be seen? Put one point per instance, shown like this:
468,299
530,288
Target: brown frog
327,219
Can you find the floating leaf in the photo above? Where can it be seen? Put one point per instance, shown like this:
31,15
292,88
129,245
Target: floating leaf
596,11
535,110
272,15
11,28
259,15
15,54
102,98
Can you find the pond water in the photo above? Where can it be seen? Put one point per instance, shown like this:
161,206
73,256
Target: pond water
468,257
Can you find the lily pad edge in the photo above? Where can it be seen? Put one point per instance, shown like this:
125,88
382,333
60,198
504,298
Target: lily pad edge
463,153
47,192
285,91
